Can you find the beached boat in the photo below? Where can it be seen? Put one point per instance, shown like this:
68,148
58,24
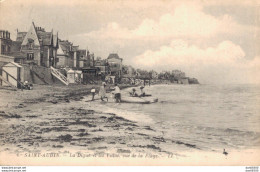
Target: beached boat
140,100
146,95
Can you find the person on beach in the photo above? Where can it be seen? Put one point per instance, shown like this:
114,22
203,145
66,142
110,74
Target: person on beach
133,93
102,91
117,93
142,91
93,92
27,86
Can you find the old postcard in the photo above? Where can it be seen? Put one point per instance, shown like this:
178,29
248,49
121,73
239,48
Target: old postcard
113,82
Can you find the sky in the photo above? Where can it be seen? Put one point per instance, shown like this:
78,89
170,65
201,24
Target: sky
215,41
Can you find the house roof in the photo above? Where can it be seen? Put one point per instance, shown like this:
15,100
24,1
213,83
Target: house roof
82,53
31,35
18,54
62,49
6,59
12,64
16,46
67,46
75,48
45,37
114,56
65,43
16,50
39,35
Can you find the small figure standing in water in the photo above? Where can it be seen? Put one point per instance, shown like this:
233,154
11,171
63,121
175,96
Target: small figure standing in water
102,91
93,92
117,93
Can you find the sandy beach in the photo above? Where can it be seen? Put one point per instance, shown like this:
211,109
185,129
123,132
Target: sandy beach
50,121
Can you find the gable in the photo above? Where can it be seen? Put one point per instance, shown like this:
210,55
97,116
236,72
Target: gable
65,46
31,35
60,51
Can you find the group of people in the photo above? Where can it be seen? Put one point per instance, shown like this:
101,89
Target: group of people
102,92
116,92
26,85
134,94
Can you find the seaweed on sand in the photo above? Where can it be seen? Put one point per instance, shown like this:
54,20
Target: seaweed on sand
186,144
65,138
9,115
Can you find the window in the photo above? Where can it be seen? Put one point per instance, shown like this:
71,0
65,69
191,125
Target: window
30,43
30,56
114,65
30,46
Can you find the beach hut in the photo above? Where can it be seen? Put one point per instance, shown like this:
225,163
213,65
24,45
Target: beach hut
12,72
71,76
78,76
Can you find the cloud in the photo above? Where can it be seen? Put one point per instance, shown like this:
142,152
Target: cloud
180,53
225,62
188,38
112,31
187,20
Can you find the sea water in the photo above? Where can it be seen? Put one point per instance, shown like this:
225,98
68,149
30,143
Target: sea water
208,116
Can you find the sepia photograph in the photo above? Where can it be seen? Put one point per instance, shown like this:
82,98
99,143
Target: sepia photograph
130,83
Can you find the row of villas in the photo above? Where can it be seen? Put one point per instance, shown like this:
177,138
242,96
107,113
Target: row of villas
42,57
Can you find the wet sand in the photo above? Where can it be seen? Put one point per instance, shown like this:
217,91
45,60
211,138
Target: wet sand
50,121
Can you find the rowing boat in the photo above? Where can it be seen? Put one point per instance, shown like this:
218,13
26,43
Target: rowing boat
139,100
